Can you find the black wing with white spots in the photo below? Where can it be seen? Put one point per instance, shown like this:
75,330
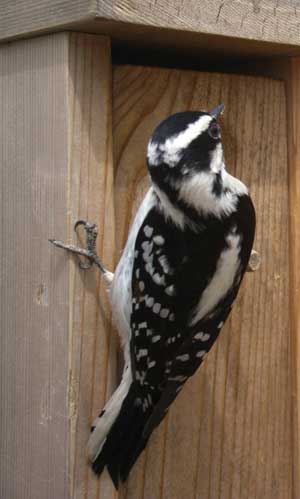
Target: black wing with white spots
171,270
188,357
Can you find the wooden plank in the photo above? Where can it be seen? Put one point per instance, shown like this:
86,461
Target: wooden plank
34,280
57,352
289,71
265,20
18,18
92,343
293,95
264,28
229,433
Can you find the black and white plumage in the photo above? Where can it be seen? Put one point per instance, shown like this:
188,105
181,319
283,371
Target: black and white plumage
174,286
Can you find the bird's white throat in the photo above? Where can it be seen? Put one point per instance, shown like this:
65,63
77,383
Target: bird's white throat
197,191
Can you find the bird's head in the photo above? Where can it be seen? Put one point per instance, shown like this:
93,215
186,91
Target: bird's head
184,144
185,161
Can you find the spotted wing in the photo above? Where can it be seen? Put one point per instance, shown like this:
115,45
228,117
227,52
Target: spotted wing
155,332
171,270
185,363
166,286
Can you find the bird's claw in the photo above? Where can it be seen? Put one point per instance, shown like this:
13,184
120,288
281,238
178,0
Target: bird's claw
89,253
91,231
91,234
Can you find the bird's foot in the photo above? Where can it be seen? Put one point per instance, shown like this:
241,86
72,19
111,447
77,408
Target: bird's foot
89,252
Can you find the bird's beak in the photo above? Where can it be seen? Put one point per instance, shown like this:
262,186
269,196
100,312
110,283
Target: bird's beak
215,113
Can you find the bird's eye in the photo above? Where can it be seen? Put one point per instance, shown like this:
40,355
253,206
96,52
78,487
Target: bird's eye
214,130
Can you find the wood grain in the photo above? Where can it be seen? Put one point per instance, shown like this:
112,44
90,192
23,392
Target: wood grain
229,434
92,346
263,20
18,18
264,27
292,78
58,354
34,419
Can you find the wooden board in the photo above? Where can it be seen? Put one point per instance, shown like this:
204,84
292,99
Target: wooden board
264,27
92,345
229,434
261,20
57,352
34,279
292,79
20,18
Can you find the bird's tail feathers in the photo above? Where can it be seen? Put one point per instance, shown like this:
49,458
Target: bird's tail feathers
125,441
103,423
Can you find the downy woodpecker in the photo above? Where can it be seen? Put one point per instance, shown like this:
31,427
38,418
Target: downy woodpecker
176,281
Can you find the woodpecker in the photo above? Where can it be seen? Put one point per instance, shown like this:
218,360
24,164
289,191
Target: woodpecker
174,286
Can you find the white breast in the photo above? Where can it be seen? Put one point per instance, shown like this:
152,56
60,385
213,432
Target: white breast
227,268
121,295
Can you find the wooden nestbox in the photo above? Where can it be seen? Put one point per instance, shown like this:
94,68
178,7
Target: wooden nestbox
82,86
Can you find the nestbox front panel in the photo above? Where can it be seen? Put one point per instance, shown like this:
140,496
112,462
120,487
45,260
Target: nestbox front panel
229,433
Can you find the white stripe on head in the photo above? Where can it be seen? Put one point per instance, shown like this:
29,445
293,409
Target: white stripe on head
169,152
216,160
153,154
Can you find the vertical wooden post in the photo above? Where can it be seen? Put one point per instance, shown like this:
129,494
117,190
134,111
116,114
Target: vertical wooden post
292,79
56,166
90,189
34,281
